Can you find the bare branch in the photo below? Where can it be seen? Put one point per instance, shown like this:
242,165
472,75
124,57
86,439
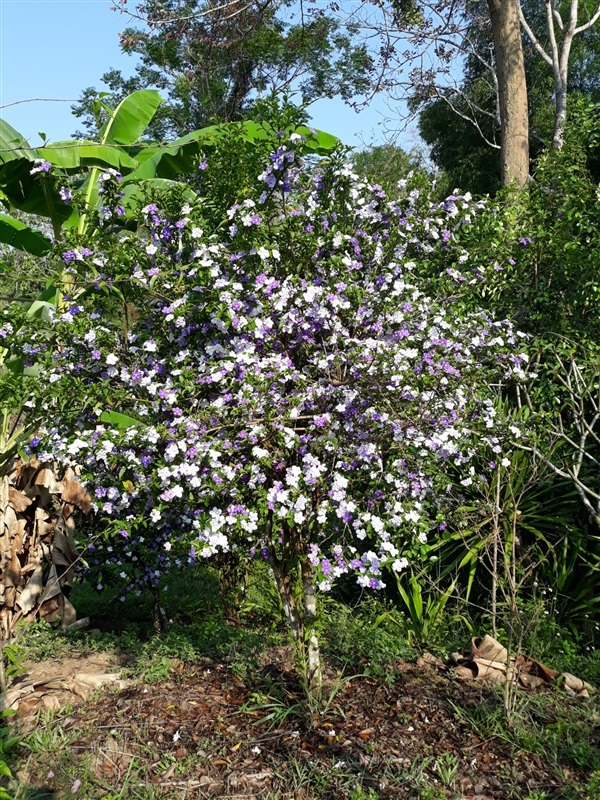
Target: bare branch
470,119
533,39
592,21
40,100
556,14
236,5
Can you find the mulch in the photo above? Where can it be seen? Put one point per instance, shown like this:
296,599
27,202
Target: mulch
203,728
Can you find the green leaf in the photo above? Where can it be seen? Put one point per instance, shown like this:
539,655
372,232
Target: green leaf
131,117
41,309
13,145
169,161
76,154
29,193
134,192
49,293
22,237
118,420
15,365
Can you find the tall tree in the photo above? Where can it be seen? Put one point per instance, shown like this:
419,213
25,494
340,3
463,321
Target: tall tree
512,91
560,35
424,44
460,119
211,59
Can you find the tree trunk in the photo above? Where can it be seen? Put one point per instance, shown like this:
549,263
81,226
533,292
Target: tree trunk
314,673
512,87
300,608
560,71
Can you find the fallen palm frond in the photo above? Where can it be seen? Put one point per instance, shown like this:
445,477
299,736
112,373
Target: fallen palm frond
37,546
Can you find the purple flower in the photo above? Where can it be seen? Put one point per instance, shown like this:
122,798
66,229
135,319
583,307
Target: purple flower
203,165
42,166
65,194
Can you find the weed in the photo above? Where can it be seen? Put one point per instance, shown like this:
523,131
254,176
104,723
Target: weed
271,710
354,640
446,768
358,793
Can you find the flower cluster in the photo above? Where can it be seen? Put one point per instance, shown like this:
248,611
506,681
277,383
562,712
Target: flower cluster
109,191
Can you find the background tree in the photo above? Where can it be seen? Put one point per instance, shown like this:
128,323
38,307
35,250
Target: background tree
211,60
386,164
460,123
512,91
560,34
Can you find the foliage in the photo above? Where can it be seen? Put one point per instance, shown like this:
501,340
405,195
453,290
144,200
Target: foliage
387,164
236,387
426,611
369,639
67,181
459,122
212,62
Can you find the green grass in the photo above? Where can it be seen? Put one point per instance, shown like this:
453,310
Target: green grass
369,640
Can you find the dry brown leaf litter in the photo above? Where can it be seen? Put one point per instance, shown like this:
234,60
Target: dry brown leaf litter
196,720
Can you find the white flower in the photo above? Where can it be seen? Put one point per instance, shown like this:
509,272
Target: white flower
505,462
256,751
111,359
176,736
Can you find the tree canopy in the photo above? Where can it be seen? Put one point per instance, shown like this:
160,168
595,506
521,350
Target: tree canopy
212,63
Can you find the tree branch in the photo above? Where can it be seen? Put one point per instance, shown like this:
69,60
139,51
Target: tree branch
592,21
533,39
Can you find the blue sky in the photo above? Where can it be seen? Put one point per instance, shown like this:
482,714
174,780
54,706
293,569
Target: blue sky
55,48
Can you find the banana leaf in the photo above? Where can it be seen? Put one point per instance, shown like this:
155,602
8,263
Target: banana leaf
130,118
22,237
75,155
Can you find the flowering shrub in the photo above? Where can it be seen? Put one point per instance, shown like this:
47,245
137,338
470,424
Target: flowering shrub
283,388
